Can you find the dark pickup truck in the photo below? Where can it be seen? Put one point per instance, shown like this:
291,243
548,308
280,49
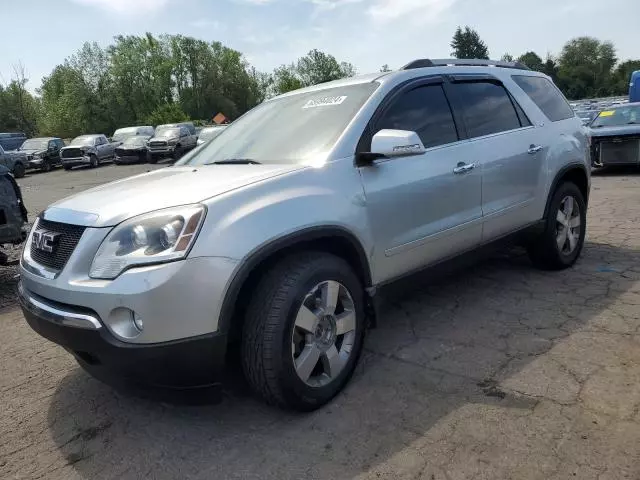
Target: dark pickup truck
13,214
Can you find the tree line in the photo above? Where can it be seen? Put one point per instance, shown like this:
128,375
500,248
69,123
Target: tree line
149,80
585,67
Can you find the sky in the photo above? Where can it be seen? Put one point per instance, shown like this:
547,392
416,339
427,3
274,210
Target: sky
40,34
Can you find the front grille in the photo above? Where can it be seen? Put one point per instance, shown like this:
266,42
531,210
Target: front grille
71,153
64,247
620,151
157,144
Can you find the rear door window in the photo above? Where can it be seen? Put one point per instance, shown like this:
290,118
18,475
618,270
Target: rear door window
424,110
546,96
486,107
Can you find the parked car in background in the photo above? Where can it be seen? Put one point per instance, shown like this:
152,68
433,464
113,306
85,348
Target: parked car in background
275,237
615,136
586,116
12,212
209,133
16,162
188,125
11,141
170,142
88,150
122,133
132,150
42,153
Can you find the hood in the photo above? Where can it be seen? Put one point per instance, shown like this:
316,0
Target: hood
32,151
77,147
110,204
615,130
131,147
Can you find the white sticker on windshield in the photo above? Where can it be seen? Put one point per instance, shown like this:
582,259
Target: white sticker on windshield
324,102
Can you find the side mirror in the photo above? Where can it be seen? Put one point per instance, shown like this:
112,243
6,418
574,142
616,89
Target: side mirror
392,143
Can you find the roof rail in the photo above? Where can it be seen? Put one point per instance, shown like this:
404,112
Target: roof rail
466,62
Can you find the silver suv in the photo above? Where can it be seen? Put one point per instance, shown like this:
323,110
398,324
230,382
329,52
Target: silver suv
275,236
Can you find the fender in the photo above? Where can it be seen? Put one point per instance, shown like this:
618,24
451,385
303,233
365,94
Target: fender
561,173
255,258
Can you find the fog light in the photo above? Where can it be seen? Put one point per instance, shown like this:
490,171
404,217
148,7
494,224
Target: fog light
137,321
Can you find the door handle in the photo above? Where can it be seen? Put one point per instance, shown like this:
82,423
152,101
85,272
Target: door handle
464,168
533,149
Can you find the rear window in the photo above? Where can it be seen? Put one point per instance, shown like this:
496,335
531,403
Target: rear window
486,108
546,96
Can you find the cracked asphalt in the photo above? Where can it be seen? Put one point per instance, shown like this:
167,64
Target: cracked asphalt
497,371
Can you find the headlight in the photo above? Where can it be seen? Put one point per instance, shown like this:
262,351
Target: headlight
156,237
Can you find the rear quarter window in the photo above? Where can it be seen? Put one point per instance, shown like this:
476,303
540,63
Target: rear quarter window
546,96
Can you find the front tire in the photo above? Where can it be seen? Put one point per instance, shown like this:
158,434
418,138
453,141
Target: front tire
303,331
93,161
559,245
46,165
19,170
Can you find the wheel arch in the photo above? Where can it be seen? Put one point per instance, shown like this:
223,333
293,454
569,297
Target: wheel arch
330,239
576,173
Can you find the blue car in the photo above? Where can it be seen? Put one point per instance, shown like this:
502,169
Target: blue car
11,141
634,87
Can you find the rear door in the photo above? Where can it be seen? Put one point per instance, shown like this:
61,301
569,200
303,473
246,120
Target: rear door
508,148
421,208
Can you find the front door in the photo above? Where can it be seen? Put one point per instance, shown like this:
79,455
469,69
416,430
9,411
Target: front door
422,208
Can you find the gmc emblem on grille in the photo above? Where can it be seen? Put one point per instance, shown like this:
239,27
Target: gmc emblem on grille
44,240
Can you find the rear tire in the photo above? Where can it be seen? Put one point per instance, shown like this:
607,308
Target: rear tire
293,353
19,170
66,167
560,243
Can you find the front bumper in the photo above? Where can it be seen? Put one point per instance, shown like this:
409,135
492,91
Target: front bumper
187,363
168,150
35,162
76,161
134,157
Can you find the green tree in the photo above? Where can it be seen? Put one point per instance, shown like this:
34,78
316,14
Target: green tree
468,44
285,79
507,57
385,68
19,110
314,68
319,67
585,66
167,113
622,75
531,60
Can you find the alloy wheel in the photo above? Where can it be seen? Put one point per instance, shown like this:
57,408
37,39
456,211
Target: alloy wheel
568,225
324,333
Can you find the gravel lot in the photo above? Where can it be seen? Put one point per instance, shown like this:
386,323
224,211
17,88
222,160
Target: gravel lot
496,372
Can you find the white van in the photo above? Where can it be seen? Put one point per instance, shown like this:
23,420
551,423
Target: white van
120,134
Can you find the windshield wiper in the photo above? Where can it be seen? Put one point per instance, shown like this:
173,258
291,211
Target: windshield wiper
235,161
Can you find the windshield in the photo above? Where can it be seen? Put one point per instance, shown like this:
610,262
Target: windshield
168,132
209,133
82,142
627,115
138,141
123,133
35,144
292,129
